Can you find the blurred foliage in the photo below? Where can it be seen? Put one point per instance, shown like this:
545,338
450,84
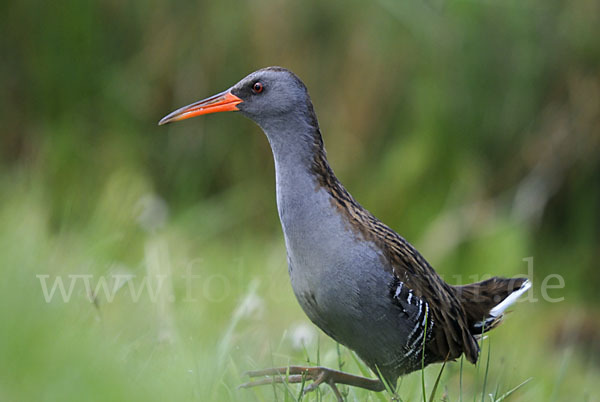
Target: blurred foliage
472,127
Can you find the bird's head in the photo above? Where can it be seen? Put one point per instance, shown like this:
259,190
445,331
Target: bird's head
264,95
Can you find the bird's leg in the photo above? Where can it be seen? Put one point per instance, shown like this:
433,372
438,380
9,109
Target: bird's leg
319,375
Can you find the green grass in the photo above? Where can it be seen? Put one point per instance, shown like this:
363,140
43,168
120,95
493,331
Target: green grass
242,319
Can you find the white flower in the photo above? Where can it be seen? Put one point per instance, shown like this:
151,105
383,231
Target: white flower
302,335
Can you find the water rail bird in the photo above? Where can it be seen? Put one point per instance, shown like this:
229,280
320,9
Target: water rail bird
358,280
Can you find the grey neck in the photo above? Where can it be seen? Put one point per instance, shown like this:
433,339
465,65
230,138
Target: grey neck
292,141
303,205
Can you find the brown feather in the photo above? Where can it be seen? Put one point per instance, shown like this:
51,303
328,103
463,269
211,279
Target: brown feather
451,336
454,309
479,298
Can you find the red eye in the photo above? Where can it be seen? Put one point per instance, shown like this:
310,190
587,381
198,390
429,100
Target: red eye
257,87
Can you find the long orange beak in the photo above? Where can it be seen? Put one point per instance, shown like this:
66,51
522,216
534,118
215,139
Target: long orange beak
223,102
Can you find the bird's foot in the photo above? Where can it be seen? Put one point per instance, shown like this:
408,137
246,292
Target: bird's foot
318,376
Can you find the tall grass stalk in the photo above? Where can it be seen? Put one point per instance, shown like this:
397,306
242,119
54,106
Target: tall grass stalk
437,382
423,359
487,368
460,378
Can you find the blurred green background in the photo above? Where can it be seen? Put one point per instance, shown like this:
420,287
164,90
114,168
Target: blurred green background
470,127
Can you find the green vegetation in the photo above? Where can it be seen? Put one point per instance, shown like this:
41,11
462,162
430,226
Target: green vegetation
469,126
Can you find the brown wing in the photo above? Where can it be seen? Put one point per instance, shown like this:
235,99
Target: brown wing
451,336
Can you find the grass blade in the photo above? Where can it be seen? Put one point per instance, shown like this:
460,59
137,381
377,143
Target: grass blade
561,374
507,394
437,381
462,359
479,360
339,356
423,360
366,373
487,368
387,386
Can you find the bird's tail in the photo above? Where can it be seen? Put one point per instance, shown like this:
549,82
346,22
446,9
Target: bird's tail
484,302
